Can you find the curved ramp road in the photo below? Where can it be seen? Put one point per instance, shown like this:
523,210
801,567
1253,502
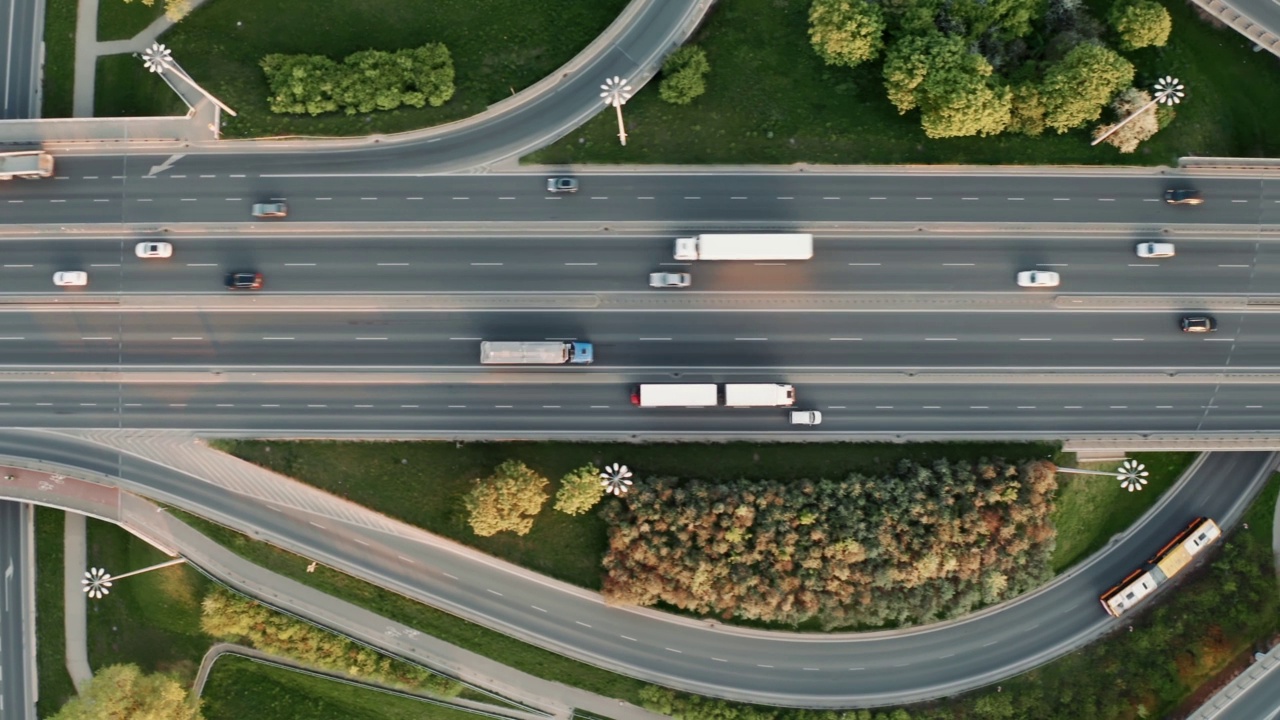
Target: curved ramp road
776,668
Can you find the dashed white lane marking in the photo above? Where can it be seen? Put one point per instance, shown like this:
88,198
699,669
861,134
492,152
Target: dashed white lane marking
864,264
1239,201
1253,407
1164,407
101,200
299,264
406,559
830,198
645,197
1072,407
968,198
924,198
98,338
464,338
719,660
692,197
809,669
495,592
738,197
678,652
1106,199
598,407
413,198
835,407
486,264
599,197
189,199
456,407
462,198
582,623
88,404
409,407
764,666
1233,266
1012,198
550,407
90,177
1026,407
979,407
1119,407
503,407
277,338
654,338
878,198
104,265
57,201
535,607
506,198
1052,265
144,199
884,407
1035,339
317,406
186,337
940,339
202,264
857,669
581,264
362,406
931,407
19,266
958,264
1128,339
371,338
1144,264
751,339
13,337
845,339
451,577
628,637
177,404
784,197
272,405
989,644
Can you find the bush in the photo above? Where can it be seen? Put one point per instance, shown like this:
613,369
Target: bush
684,75
507,500
580,490
1141,23
363,82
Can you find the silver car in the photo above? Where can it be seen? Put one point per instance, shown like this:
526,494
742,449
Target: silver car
270,210
562,185
670,280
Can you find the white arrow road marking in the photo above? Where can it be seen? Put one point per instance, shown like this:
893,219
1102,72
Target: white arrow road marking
165,165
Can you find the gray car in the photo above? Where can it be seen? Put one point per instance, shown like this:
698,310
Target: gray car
562,185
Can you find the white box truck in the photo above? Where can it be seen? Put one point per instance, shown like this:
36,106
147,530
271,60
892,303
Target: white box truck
759,395
679,395
536,353
26,164
757,246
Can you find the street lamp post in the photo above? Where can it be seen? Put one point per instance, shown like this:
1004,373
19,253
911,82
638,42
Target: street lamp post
1132,474
1168,91
159,58
616,93
97,582
616,479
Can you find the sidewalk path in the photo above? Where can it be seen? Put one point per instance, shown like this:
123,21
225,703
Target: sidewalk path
74,562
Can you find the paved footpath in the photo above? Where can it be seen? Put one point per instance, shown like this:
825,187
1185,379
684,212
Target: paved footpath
74,564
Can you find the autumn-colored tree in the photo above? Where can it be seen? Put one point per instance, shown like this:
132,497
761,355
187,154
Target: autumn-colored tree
1141,23
580,490
1138,129
119,692
846,32
175,10
506,501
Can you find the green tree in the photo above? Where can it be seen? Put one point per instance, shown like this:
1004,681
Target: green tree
684,75
580,490
1141,23
846,32
506,501
122,692
952,87
1026,110
1076,89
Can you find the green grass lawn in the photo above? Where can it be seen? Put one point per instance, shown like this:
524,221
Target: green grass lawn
1092,509
120,20
125,88
152,619
771,100
498,46
51,657
423,483
239,688
59,58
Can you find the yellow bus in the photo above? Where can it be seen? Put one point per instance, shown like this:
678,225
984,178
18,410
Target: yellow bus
1167,562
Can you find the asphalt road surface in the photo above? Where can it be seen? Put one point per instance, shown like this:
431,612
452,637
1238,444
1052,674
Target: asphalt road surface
893,265
501,404
839,670
22,22
16,700
1261,701
219,188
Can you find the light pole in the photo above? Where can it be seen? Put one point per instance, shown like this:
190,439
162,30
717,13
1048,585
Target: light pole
1168,91
615,479
97,582
159,58
1132,474
616,93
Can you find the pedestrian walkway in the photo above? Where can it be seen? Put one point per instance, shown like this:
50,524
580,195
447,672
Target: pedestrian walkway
74,563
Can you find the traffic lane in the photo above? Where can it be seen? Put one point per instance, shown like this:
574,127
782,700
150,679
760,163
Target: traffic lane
1260,701
1052,339
505,405
185,192
15,519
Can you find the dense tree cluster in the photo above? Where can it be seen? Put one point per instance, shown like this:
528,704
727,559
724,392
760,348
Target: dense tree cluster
922,543
983,67
506,501
123,692
684,75
363,82
229,616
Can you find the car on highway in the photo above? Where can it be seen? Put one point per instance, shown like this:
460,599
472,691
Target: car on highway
244,281
805,417
71,278
1155,250
153,250
1038,278
670,280
562,185
1183,196
270,210
1199,324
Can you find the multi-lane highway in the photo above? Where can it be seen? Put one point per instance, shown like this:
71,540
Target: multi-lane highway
213,189
22,22
17,631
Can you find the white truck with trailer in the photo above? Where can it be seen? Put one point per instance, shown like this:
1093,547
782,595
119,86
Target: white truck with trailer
25,164
536,353
753,246
712,395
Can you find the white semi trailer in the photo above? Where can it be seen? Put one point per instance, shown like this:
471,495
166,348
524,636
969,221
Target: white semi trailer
712,395
536,353
26,164
757,246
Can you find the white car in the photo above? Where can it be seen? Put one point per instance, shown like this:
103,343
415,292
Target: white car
670,280
806,417
1038,278
562,185
71,278
153,250
270,210
1155,250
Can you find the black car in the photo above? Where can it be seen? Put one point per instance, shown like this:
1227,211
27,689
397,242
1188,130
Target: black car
1199,324
244,281
1183,197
